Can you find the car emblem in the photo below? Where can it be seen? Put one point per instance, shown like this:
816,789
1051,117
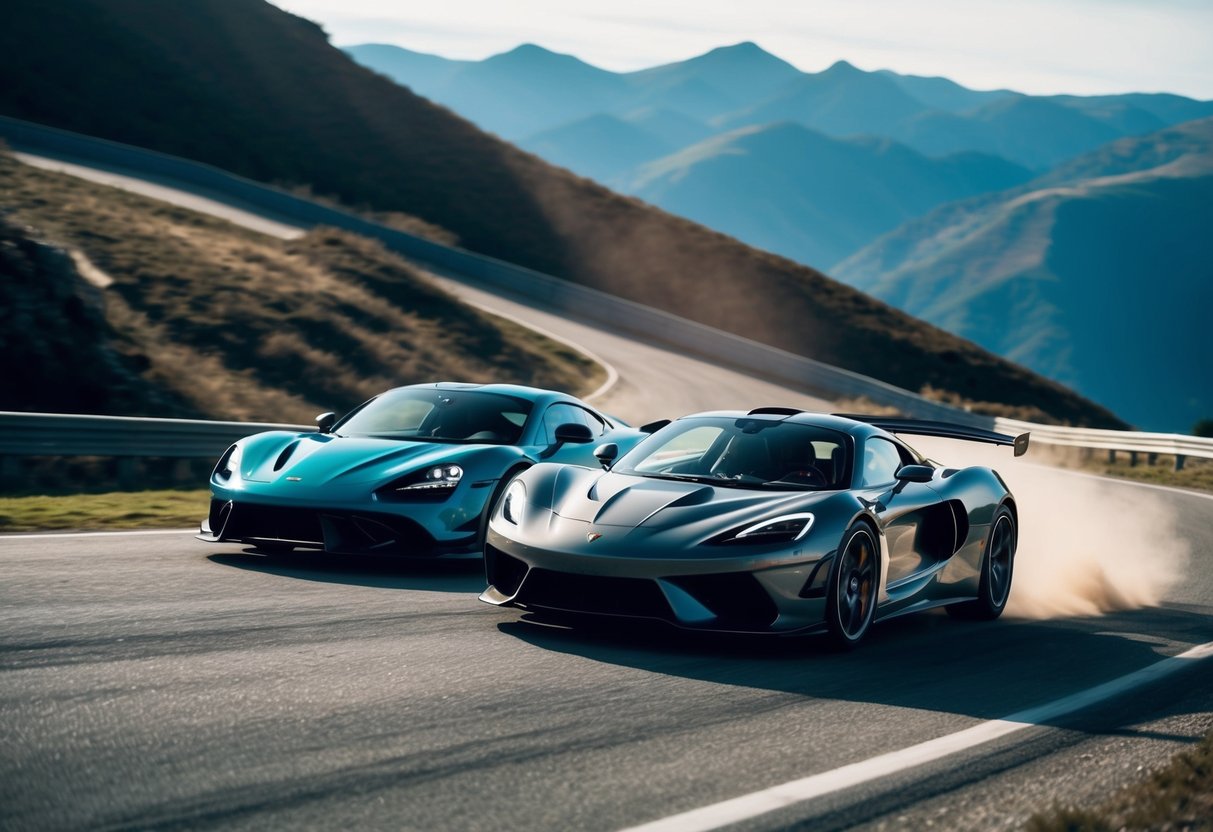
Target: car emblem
592,536
294,479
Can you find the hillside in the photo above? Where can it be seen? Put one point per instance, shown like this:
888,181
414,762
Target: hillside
114,303
602,147
658,134
280,104
1099,274
809,197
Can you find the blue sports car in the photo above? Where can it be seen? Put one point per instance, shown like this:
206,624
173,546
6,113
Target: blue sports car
414,471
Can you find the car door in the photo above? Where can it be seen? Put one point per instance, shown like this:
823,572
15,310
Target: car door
898,505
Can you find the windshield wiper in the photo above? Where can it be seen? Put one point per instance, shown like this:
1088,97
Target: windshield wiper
700,478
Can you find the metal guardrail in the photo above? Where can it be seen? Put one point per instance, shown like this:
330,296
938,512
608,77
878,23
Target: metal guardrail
69,434
59,434
1114,441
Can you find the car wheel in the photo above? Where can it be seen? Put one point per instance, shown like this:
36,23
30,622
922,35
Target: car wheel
853,583
997,569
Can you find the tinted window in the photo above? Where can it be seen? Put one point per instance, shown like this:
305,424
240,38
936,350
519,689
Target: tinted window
595,424
557,415
425,414
881,459
746,452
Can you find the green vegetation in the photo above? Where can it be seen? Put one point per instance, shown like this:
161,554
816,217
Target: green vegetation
156,310
255,90
1178,797
1203,428
1196,473
171,509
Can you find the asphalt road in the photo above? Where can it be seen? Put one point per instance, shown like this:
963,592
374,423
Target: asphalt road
155,681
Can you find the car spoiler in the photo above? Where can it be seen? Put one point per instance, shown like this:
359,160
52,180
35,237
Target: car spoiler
944,430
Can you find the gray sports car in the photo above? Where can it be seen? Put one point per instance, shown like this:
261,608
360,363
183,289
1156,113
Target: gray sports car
775,520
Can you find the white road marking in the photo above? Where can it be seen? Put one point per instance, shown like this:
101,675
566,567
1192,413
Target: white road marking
55,535
778,797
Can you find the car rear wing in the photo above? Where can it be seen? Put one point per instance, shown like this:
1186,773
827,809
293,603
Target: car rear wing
944,430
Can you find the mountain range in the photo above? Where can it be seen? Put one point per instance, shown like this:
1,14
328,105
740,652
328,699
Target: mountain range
1003,217
245,86
1099,274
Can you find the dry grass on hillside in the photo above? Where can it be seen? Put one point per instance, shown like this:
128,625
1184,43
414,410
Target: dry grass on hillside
238,325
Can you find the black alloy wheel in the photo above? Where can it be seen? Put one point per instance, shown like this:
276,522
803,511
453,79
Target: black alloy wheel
854,580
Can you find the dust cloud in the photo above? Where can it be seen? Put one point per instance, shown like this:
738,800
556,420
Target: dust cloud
1085,547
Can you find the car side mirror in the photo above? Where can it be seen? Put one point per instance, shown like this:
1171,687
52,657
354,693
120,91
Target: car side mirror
606,454
915,473
653,427
325,422
573,432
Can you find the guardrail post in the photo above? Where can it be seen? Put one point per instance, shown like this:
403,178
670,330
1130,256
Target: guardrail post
128,471
1111,456
1151,459
182,471
1132,459
1179,462
10,471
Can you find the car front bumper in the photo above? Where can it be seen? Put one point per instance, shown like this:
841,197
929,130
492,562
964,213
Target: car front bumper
746,593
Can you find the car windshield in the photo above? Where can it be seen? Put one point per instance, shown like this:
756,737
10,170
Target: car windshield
744,452
429,415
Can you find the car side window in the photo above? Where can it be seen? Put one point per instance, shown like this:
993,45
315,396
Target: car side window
881,460
557,415
592,421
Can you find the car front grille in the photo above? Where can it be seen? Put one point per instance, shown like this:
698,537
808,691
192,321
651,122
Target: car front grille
736,599
635,597
334,531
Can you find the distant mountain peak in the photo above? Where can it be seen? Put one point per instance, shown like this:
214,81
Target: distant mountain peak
746,50
740,48
841,67
529,49
532,54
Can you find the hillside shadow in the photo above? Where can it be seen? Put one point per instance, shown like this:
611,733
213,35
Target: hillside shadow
461,576
925,662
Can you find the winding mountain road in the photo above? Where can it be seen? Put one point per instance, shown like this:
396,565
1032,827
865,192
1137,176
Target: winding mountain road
150,680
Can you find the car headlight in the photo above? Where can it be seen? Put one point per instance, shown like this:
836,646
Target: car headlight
229,463
438,478
513,502
783,529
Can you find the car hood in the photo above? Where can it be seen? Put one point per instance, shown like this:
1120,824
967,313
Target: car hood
325,459
607,499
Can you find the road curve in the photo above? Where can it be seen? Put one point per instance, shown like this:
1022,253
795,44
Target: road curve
152,680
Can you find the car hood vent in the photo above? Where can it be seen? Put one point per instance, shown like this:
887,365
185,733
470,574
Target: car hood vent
285,455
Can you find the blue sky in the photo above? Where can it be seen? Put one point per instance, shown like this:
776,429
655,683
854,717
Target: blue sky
1037,46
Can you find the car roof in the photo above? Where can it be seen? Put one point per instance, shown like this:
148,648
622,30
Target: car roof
798,417
534,394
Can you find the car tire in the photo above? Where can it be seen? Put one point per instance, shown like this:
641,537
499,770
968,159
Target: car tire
997,570
852,587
